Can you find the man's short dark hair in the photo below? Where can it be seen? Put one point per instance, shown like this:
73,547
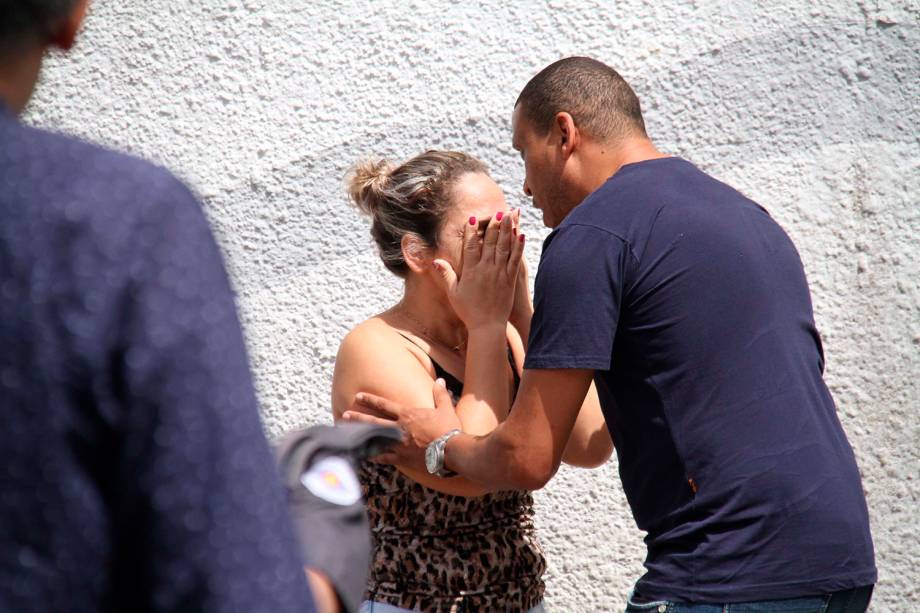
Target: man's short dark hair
599,100
29,21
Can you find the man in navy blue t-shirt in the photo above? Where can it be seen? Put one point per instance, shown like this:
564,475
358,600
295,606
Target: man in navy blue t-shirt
136,476
688,306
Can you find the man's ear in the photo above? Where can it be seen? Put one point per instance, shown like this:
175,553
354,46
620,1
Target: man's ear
416,253
568,133
65,34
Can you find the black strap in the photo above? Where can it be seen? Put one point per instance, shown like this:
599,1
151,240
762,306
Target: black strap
453,384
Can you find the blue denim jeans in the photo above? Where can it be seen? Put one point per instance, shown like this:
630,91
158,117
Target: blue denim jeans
847,601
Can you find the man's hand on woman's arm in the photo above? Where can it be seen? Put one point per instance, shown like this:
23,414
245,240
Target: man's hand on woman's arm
523,452
420,425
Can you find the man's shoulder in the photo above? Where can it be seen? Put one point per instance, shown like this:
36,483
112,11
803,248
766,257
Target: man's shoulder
661,195
592,220
643,188
62,163
577,246
627,201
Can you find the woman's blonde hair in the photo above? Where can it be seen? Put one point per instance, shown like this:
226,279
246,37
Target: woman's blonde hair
412,198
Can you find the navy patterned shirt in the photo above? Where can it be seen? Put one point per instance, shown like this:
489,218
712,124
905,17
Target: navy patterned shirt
136,476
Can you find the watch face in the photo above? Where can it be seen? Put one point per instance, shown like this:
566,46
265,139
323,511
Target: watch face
431,459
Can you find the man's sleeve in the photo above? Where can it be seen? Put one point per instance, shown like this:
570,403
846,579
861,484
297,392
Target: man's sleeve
200,518
577,297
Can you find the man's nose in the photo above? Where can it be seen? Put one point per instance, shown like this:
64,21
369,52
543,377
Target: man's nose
527,189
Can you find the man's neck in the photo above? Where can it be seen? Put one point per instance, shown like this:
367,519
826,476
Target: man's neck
19,72
607,160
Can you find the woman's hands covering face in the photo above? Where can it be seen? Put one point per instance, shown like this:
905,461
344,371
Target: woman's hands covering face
484,294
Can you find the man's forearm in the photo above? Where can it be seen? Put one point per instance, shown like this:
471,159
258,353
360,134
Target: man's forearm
492,461
470,456
525,450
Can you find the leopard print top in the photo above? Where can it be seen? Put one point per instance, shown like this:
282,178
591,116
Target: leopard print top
442,553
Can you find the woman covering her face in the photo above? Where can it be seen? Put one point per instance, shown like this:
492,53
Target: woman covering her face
444,543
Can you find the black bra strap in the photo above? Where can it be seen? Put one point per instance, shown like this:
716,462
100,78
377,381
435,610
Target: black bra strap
454,385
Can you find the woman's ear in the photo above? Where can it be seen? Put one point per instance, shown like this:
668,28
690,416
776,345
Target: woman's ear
416,253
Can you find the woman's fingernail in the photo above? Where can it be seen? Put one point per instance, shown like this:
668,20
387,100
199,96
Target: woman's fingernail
440,382
499,215
521,237
346,415
472,221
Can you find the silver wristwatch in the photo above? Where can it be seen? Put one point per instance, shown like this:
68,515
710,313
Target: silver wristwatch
434,455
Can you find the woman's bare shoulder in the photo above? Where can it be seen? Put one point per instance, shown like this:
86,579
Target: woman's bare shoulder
371,330
375,336
375,358
376,340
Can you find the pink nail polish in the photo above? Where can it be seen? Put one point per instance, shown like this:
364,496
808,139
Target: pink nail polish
499,215
472,221
521,237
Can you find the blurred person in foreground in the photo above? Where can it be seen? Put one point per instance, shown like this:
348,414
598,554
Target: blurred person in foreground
688,306
136,476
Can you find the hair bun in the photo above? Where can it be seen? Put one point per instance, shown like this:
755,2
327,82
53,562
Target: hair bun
366,183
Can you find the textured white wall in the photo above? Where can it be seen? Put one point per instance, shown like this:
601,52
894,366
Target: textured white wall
811,108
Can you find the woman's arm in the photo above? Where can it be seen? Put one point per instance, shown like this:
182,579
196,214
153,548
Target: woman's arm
486,396
589,444
372,359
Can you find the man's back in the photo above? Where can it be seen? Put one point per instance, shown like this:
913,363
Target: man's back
136,474
693,308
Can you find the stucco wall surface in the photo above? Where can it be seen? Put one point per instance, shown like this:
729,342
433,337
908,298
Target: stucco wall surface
811,108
